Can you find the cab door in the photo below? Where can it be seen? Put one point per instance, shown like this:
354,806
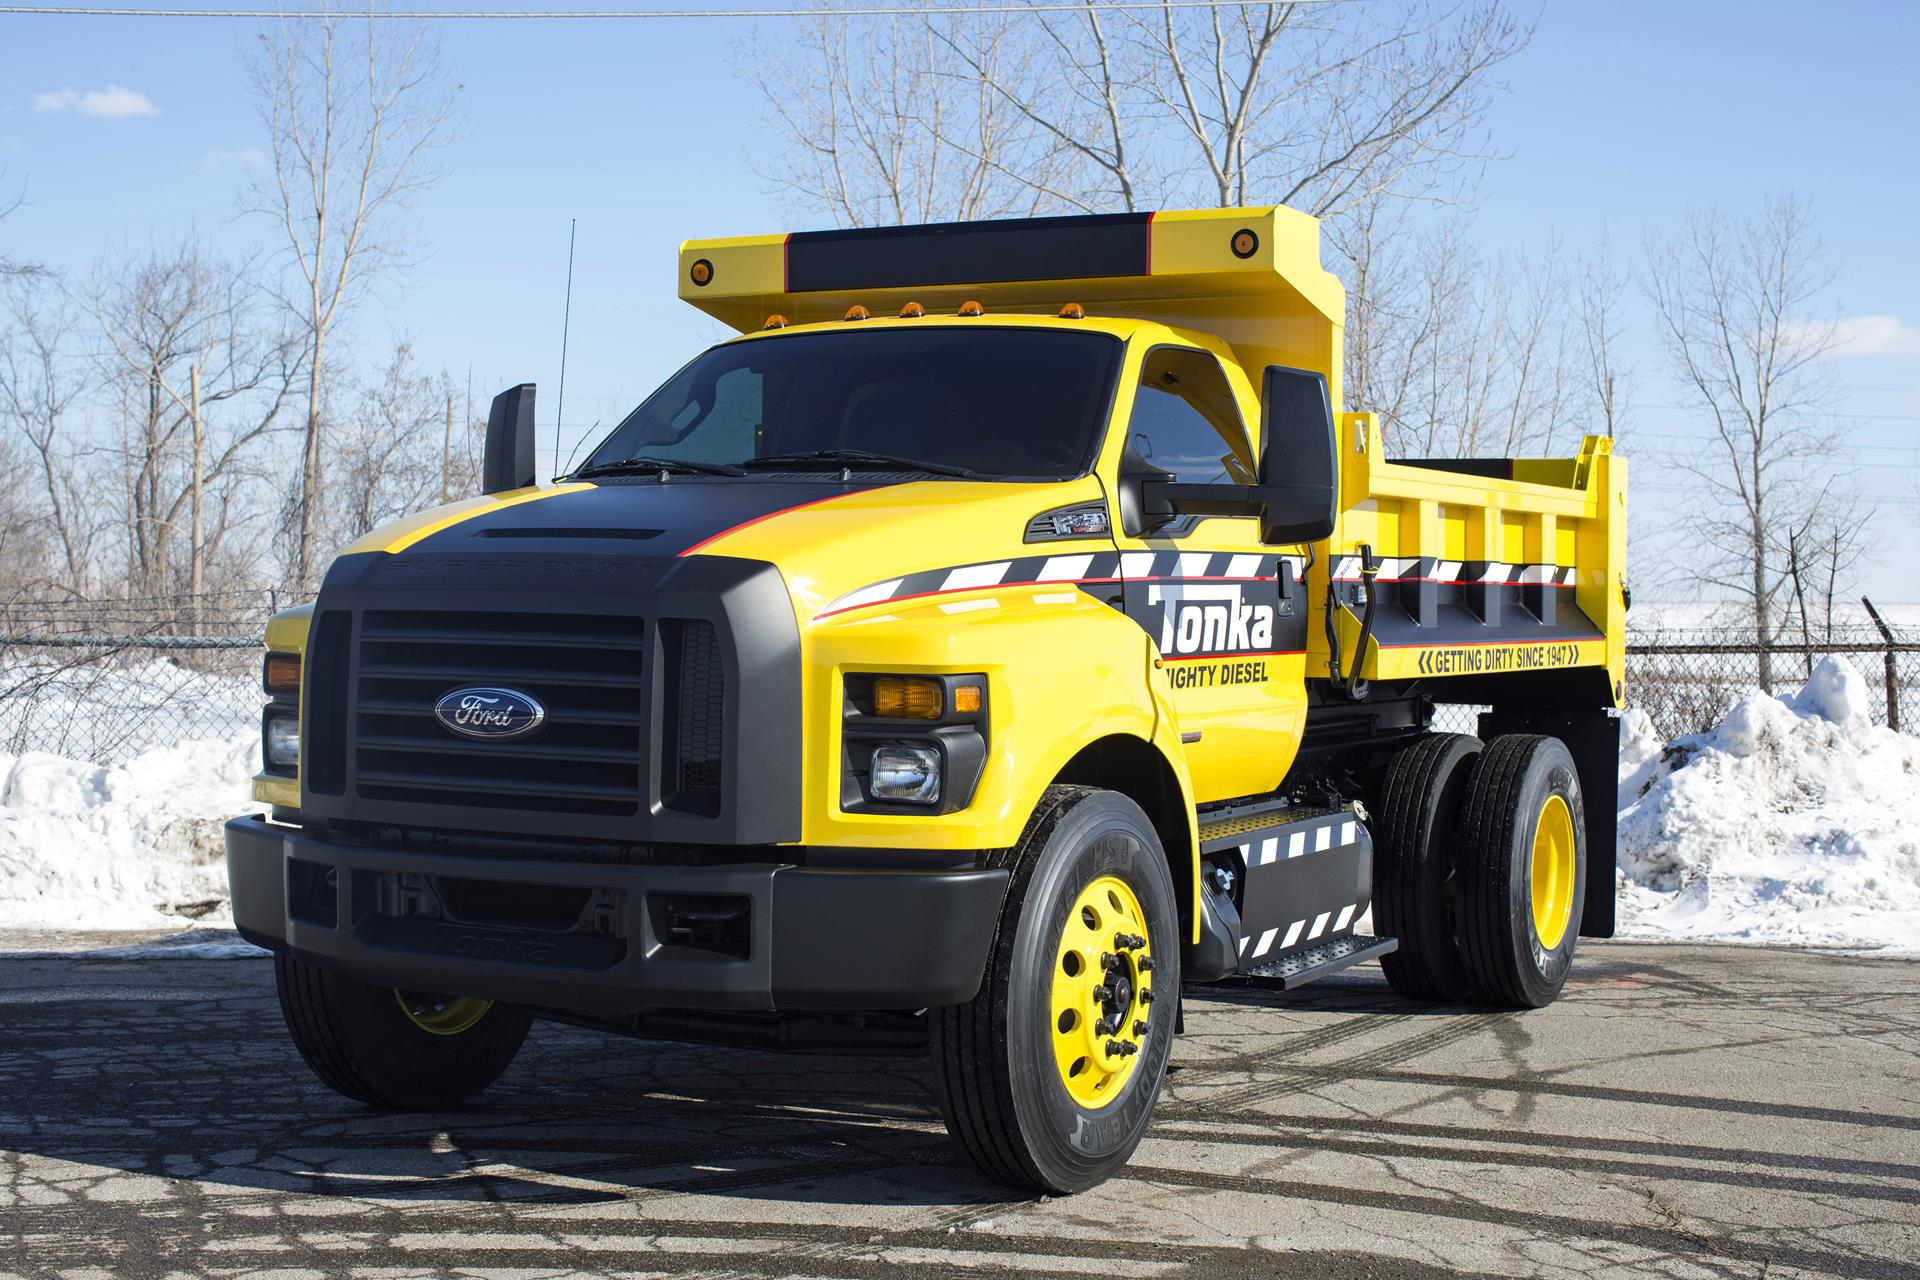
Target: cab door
1226,613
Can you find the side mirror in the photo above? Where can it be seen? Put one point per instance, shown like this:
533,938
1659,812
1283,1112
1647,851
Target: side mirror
509,458
1299,476
1296,495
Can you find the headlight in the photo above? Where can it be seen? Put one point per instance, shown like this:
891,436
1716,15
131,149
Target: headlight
908,775
282,739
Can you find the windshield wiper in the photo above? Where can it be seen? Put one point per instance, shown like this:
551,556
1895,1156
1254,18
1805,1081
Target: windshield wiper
641,464
811,459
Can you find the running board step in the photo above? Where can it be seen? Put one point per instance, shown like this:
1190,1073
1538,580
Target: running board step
1302,967
1223,833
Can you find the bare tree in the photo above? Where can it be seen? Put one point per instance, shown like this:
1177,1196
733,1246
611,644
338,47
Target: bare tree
1321,107
353,110
886,122
39,388
1733,300
1604,381
12,266
1457,355
394,451
201,375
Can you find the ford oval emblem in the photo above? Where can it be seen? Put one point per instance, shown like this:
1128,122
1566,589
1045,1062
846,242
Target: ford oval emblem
490,714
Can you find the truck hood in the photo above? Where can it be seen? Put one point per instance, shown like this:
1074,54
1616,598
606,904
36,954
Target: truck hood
827,536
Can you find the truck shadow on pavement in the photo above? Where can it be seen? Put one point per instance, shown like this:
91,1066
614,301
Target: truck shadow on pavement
205,1087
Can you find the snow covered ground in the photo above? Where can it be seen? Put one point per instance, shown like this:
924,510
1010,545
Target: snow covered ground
1794,821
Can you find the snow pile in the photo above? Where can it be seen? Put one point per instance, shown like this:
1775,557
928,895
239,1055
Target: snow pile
131,846
1795,820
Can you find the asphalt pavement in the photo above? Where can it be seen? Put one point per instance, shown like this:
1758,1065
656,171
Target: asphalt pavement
1682,1111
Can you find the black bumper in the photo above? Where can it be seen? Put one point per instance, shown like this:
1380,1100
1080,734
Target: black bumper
797,938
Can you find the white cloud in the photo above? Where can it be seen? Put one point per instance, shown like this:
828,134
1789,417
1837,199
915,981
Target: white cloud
246,157
1875,336
111,103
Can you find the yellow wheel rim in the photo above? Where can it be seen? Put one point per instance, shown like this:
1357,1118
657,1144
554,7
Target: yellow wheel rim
1552,872
1102,992
442,1015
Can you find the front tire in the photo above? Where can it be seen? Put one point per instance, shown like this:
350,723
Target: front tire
1523,870
399,1049
1048,1077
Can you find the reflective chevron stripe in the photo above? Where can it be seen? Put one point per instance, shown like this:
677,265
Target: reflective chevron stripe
1085,567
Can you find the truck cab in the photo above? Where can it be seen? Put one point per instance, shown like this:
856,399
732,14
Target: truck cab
1000,633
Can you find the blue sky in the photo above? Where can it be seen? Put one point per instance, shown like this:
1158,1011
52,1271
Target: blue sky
1618,119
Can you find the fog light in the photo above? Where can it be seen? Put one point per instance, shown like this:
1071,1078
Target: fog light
283,741
910,775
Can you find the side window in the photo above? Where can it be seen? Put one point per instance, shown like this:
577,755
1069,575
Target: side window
1185,419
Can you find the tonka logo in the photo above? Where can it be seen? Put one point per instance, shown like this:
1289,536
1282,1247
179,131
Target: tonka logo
488,713
1211,618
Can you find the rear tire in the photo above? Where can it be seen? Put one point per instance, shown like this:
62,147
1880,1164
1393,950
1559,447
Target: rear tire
363,1042
1523,870
1024,1095
1414,871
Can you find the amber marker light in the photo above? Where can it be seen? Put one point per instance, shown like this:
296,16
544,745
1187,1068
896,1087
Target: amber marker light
971,308
912,311
1073,311
856,312
701,273
966,699
282,673
907,698
1245,243
775,322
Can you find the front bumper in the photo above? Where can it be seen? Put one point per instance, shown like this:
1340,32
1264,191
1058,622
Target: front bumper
748,935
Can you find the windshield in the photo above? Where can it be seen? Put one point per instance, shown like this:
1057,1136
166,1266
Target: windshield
997,403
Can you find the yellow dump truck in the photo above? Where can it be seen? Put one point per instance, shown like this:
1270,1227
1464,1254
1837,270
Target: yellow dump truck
1005,631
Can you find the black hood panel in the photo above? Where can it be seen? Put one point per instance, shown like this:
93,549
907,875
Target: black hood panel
639,518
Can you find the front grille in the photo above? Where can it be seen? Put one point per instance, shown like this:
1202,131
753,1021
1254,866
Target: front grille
697,731
586,671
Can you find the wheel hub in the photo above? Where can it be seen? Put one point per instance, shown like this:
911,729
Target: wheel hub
1102,992
1550,874
442,1015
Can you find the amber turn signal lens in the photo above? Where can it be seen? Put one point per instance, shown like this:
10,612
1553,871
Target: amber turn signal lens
907,698
966,699
283,673
701,273
972,308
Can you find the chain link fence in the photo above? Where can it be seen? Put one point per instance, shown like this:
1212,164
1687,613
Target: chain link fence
104,680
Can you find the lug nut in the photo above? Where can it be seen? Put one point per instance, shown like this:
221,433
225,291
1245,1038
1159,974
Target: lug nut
1140,1026
1145,963
1110,961
1121,1049
1146,996
1102,994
